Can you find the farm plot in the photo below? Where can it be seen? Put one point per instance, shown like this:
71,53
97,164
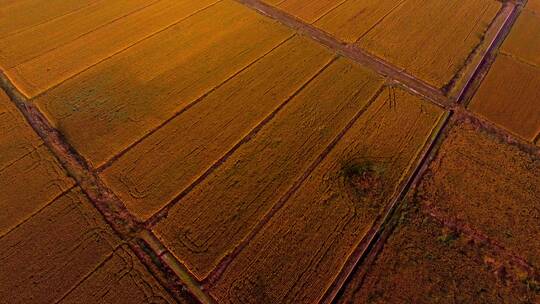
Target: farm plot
66,253
269,151
509,94
18,15
37,40
30,176
156,170
109,107
509,97
523,41
431,40
534,6
301,249
218,213
354,18
122,279
48,254
46,55
491,186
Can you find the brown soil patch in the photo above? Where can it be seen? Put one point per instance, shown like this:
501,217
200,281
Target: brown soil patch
423,262
491,186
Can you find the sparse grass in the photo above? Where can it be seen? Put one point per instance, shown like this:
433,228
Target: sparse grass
532,284
355,169
363,177
448,237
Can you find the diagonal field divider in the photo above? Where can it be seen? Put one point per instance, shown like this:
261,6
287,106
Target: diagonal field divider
152,251
107,203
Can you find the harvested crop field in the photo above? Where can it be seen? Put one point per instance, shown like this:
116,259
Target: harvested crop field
269,151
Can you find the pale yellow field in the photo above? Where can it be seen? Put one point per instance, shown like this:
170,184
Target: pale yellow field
308,11
122,279
431,40
18,138
354,18
47,37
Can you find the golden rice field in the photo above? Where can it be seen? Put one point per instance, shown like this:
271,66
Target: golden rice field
269,151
